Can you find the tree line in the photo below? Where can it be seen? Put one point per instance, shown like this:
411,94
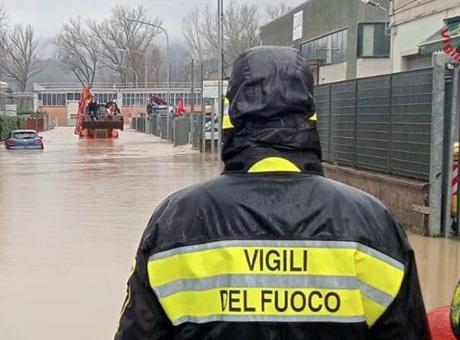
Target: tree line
122,49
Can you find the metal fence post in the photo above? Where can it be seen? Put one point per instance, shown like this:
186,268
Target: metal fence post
437,143
450,136
390,127
203,132
355,158
330,124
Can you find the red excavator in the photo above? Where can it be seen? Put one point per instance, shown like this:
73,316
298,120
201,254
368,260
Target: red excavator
102,123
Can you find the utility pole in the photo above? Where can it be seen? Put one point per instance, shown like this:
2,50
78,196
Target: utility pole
220,20
192,99
203,113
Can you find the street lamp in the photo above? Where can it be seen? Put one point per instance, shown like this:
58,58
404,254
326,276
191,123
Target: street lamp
387,19
167,62
167,49
140,53
220,20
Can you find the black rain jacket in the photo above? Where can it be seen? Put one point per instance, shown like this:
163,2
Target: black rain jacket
271,249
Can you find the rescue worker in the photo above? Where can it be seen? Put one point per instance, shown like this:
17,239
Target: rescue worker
271,249
93,109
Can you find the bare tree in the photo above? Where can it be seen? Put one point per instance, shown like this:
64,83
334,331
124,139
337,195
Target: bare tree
241,31
78,49
18,53
126,45
191,28
275,11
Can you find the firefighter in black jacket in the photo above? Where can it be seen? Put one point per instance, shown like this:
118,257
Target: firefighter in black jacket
271,249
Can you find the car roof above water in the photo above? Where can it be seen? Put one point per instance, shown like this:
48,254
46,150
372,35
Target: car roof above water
23,131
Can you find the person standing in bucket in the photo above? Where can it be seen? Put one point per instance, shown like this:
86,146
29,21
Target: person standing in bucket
271,249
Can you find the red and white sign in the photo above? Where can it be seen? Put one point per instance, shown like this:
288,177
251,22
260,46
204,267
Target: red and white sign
455,180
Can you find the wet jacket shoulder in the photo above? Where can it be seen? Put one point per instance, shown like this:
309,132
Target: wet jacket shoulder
271,249
242,209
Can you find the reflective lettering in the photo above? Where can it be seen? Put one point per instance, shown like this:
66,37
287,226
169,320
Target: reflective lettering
274,260
246,307
296,306
265,299
278,306
251,261
319,306
332,299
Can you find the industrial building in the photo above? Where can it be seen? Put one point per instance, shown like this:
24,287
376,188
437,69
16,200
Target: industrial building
348,39
60,101
342,39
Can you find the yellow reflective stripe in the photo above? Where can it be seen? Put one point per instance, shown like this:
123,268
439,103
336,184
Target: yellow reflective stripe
373,310
378,274
187,273
274,164
314,118
238,260
226,122
302,302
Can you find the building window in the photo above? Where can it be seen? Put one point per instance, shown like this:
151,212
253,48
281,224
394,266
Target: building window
329,49
372,41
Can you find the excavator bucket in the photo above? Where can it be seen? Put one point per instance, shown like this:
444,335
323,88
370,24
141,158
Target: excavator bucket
103,123
106,124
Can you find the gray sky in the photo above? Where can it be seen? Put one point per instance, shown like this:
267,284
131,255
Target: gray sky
47,16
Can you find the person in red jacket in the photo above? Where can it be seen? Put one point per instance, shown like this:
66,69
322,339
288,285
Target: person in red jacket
271,249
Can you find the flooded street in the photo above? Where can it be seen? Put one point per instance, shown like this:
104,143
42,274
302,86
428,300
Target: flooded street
71,218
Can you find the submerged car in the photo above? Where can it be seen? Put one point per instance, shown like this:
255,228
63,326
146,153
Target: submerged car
25,140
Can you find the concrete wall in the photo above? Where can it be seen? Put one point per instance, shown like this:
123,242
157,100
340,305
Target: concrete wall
369,67
414,24
399,194
332,73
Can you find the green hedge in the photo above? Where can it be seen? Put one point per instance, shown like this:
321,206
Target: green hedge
8,123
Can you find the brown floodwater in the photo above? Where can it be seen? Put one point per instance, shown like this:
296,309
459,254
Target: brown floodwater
71,218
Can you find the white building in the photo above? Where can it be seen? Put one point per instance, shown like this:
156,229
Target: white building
416,31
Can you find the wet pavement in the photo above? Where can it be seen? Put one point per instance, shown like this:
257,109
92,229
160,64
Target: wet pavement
71,218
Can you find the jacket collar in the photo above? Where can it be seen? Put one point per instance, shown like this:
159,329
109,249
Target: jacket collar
266,160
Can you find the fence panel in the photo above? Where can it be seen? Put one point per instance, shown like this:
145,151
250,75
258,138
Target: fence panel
373,124
412,96
379,123
343,129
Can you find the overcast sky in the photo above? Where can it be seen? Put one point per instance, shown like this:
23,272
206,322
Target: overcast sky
47,16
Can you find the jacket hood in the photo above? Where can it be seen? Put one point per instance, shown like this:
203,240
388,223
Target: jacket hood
271,110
